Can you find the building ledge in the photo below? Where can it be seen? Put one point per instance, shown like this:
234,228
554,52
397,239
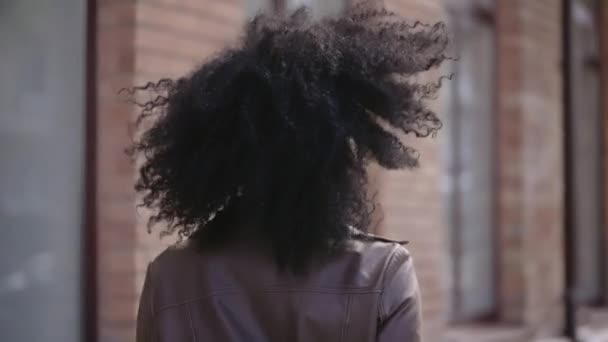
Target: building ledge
486,333
593,324
593,329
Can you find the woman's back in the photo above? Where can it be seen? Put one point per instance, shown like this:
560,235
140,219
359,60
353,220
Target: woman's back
236,293
271,140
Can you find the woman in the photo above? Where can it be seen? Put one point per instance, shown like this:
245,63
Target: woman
258,160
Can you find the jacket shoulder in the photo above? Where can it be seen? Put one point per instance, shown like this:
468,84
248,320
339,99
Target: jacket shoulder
358,234
177,253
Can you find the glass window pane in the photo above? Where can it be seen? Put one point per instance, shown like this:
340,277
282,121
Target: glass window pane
586,140
41,174
469,155
320,8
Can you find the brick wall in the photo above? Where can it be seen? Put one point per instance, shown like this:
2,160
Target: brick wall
140,41
171,38
115,200
529,180
530,162
412,201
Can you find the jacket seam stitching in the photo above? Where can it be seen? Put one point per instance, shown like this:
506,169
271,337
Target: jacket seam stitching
151,296
346,318
151,293
191,322
166,307
387,270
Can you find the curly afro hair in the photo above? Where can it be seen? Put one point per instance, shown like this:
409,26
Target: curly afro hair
273,137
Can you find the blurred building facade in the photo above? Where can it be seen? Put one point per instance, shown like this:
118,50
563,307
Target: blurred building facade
42,92
484,212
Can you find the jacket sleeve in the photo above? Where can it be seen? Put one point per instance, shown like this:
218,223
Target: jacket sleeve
145,313
400,308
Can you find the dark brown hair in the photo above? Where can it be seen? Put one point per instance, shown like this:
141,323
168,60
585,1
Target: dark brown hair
275,135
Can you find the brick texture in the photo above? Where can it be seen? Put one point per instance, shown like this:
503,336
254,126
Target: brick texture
530,187
171,38
412,201
115,200
140,41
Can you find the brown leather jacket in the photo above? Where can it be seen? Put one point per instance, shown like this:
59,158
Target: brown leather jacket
369,293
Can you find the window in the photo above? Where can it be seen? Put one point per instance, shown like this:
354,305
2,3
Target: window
469,150
587,140
254,7
41,173
319,8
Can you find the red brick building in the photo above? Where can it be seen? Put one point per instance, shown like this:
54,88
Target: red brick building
484,212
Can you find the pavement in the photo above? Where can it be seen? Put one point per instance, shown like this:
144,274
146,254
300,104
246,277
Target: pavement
587,334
